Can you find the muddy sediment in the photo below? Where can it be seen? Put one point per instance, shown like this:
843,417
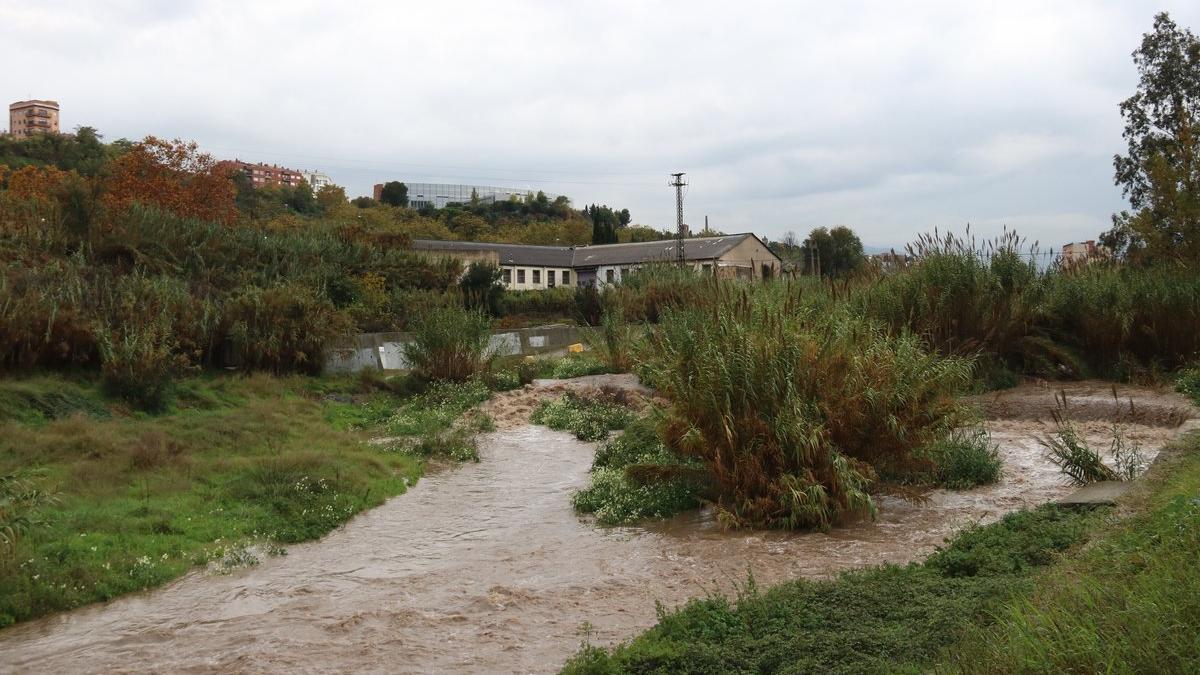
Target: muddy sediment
487,569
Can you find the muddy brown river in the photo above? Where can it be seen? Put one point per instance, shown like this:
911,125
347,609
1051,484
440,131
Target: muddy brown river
486,569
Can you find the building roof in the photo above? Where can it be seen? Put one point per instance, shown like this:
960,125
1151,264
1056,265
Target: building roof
33,102
509,254
699,248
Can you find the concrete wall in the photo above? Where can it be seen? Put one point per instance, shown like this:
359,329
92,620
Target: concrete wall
385,351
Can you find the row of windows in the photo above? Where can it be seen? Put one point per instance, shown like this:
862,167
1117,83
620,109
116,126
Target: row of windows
536,276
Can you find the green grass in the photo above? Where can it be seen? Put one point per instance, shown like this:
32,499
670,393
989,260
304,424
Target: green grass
885,619
1188,383
1129,603
141,499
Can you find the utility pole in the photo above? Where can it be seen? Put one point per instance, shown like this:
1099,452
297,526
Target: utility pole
678,184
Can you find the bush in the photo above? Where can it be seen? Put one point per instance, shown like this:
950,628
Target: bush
21,499
616,341
635,476
616,500
449,343
590,419
546,303
794,410
965,458
282,329
1188,383
576,366
140,364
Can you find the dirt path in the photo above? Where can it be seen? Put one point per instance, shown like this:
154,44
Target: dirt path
486,569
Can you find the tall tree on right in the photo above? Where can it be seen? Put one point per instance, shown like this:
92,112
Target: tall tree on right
1160,174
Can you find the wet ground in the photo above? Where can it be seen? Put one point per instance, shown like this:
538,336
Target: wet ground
485,568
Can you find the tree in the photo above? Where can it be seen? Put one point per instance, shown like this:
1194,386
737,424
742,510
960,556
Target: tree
330,196
394,193
1160,175
604,224
481,288
832,253
302,200
364,202
174,176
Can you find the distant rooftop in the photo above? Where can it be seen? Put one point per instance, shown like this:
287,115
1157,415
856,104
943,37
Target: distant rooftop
699,248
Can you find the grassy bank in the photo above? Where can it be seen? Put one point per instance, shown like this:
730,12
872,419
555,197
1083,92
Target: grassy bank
1022,595
1129,603
130,500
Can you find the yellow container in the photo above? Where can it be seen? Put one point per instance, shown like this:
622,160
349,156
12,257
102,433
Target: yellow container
576,348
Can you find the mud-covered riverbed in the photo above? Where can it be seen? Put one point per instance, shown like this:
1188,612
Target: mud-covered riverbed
485,568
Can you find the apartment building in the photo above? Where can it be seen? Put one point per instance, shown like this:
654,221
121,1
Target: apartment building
262,175
27,118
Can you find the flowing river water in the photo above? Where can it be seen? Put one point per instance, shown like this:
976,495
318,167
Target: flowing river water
486,568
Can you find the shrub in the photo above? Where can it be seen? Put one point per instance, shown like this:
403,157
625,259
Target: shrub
965,458
449,343
576,366
615,342
549,302
481,288
140,364
635,476
588,304
590,419
794,410
1188,383
282,329
617,500
21,498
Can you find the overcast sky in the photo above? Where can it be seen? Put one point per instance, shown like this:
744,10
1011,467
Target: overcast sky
893,118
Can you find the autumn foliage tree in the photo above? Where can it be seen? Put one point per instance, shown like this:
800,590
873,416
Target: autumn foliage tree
175,176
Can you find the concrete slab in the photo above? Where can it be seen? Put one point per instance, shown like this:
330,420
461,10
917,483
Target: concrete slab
1103,493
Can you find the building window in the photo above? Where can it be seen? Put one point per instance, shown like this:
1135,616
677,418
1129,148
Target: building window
566,277
608,275
506,275
706,268
520,276
537,276
550,278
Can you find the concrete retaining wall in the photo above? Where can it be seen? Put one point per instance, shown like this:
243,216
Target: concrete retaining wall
385,351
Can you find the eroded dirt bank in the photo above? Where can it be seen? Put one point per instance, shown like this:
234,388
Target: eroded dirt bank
486,569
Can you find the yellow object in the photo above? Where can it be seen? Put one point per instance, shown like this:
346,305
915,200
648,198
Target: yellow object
576,348
530,358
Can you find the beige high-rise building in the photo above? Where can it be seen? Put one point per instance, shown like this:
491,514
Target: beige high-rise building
26,118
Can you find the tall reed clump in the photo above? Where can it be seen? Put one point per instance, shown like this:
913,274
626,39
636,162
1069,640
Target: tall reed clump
615,341
968,298
449,343
1127,318
794,411
648,292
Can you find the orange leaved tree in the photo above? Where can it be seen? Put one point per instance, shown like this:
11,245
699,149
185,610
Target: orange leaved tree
173,175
